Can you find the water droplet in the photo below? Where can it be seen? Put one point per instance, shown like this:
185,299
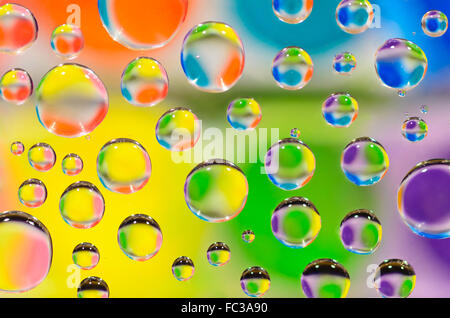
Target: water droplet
424,198
72,164
183,268
340,110
32,193
123,166
216,190
85,256
434,23
361,232
93,287
255,281
364,161
248,236
67,41
290,164
414,129
82,205
244,114
325,278
212,57
354,16
178,129
344,63
292,11
139,237
41,157
26,251
292,68
218,254
17,148
16,86
395,278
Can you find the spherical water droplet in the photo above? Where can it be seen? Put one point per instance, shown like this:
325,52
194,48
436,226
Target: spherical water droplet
395,278
255,281
344,63
41,157
32,193
82,205
424,198
178,129
85,256
17,148
71,100
424,109
292,68
212,57
244,113
67,41
93,287
296,222
216,190
325,278
218,254
414,129
292,11
72,164
340,110
434,23
139,237
183,268
123,166
248,236
142,24
290,164
400,64
364,161
26,251
16,86
144,82
354,16
18,28
295,133
361,232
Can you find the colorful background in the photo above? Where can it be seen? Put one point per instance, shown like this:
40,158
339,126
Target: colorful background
381,115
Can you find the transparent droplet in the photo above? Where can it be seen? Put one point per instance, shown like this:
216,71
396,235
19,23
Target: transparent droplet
17,148
178,129
183,268
144,82
67,41
296,222
32,193
354,16
139,237
85,255
244,114
295,133
325,278
142,24
395,278
16,86
255,281
340,110
248,236
434,23
218,254
212,57
424,109
25,251
292,68
414,129
292,11
424,198
71,100
93,287
72,164
400,65
361,232
290,164
82,205
19,29
364,161
41,157
216,190
344,63
123,166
